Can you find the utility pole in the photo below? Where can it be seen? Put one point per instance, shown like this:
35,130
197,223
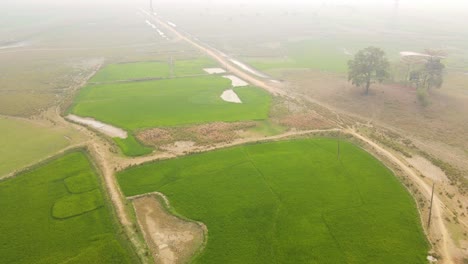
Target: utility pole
339,149
430,208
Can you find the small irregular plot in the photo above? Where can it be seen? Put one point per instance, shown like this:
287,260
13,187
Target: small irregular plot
172,239
231,97
236,81
214,70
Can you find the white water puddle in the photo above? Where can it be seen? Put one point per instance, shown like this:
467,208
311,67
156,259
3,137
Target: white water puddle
12,46
214,70
104,128
247,68
411,53
427,168
171,24
231,97
274,81
236,81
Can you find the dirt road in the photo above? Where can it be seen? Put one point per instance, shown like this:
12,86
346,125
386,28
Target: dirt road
222,60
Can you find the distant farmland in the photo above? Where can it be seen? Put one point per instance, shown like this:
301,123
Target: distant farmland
36,142
58,213
290,201
124,95
171,102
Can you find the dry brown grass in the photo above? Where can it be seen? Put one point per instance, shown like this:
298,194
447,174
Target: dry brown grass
205,134
305,121
440,128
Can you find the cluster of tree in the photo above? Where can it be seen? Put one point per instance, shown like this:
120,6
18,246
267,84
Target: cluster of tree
370,65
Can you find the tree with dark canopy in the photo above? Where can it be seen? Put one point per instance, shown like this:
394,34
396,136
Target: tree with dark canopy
369,65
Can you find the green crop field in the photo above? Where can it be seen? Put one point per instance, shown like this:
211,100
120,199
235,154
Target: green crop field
166,102
325,55
57,213
291,202
192,67
130,146
36,142
171,102
137,70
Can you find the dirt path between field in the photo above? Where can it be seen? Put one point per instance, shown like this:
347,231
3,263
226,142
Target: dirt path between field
437,215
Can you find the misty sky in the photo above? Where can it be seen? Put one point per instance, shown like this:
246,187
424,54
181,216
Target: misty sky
422,4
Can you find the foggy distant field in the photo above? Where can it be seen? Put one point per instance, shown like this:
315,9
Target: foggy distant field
322,36
291,202
37,142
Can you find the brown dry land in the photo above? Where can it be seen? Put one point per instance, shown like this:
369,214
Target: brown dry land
173,239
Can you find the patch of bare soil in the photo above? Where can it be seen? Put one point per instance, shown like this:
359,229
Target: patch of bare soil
171,239
179,147
305,121
205,134
427,169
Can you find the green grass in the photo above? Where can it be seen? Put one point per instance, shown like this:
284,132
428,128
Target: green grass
132,147
289,202
324,55
31,233
82,182
172,102
192,67
77,204
129,71
23,143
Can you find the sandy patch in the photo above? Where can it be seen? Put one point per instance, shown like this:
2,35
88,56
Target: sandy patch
231,97
236,81
171,239
179,147
106,129
214,70
427,168
247,68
